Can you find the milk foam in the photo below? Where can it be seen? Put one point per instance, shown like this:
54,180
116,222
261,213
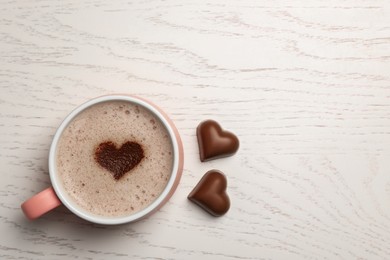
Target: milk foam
94,188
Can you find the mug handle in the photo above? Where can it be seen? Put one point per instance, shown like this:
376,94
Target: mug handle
40,203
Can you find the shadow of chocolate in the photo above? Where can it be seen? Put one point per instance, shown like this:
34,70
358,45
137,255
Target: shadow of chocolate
200,214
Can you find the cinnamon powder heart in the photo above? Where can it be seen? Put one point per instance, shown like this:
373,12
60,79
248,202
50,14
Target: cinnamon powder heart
214,142
119,161
210,193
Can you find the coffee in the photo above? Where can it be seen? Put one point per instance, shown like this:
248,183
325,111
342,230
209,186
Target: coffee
114,158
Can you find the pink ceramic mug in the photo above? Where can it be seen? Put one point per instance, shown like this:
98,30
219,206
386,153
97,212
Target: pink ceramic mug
54,196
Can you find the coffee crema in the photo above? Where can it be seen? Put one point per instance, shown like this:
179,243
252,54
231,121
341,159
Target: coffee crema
111,125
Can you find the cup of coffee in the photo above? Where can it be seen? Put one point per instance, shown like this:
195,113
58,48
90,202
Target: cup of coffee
115,159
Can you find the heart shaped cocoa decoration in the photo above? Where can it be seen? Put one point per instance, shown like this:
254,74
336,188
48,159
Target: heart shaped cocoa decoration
119,161
214,142
210,193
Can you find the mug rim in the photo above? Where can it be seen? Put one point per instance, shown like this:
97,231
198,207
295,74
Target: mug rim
159,201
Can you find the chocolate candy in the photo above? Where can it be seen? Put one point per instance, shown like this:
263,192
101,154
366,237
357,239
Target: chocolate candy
119,161
214,142
210,193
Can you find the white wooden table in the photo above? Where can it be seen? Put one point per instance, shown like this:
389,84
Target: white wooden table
304,84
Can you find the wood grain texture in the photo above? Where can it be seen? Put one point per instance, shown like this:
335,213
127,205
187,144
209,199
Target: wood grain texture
304,84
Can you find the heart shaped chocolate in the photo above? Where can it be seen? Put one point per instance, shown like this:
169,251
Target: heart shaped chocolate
214,142
119,161
210,193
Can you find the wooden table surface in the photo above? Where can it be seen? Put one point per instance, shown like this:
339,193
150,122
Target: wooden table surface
304,84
